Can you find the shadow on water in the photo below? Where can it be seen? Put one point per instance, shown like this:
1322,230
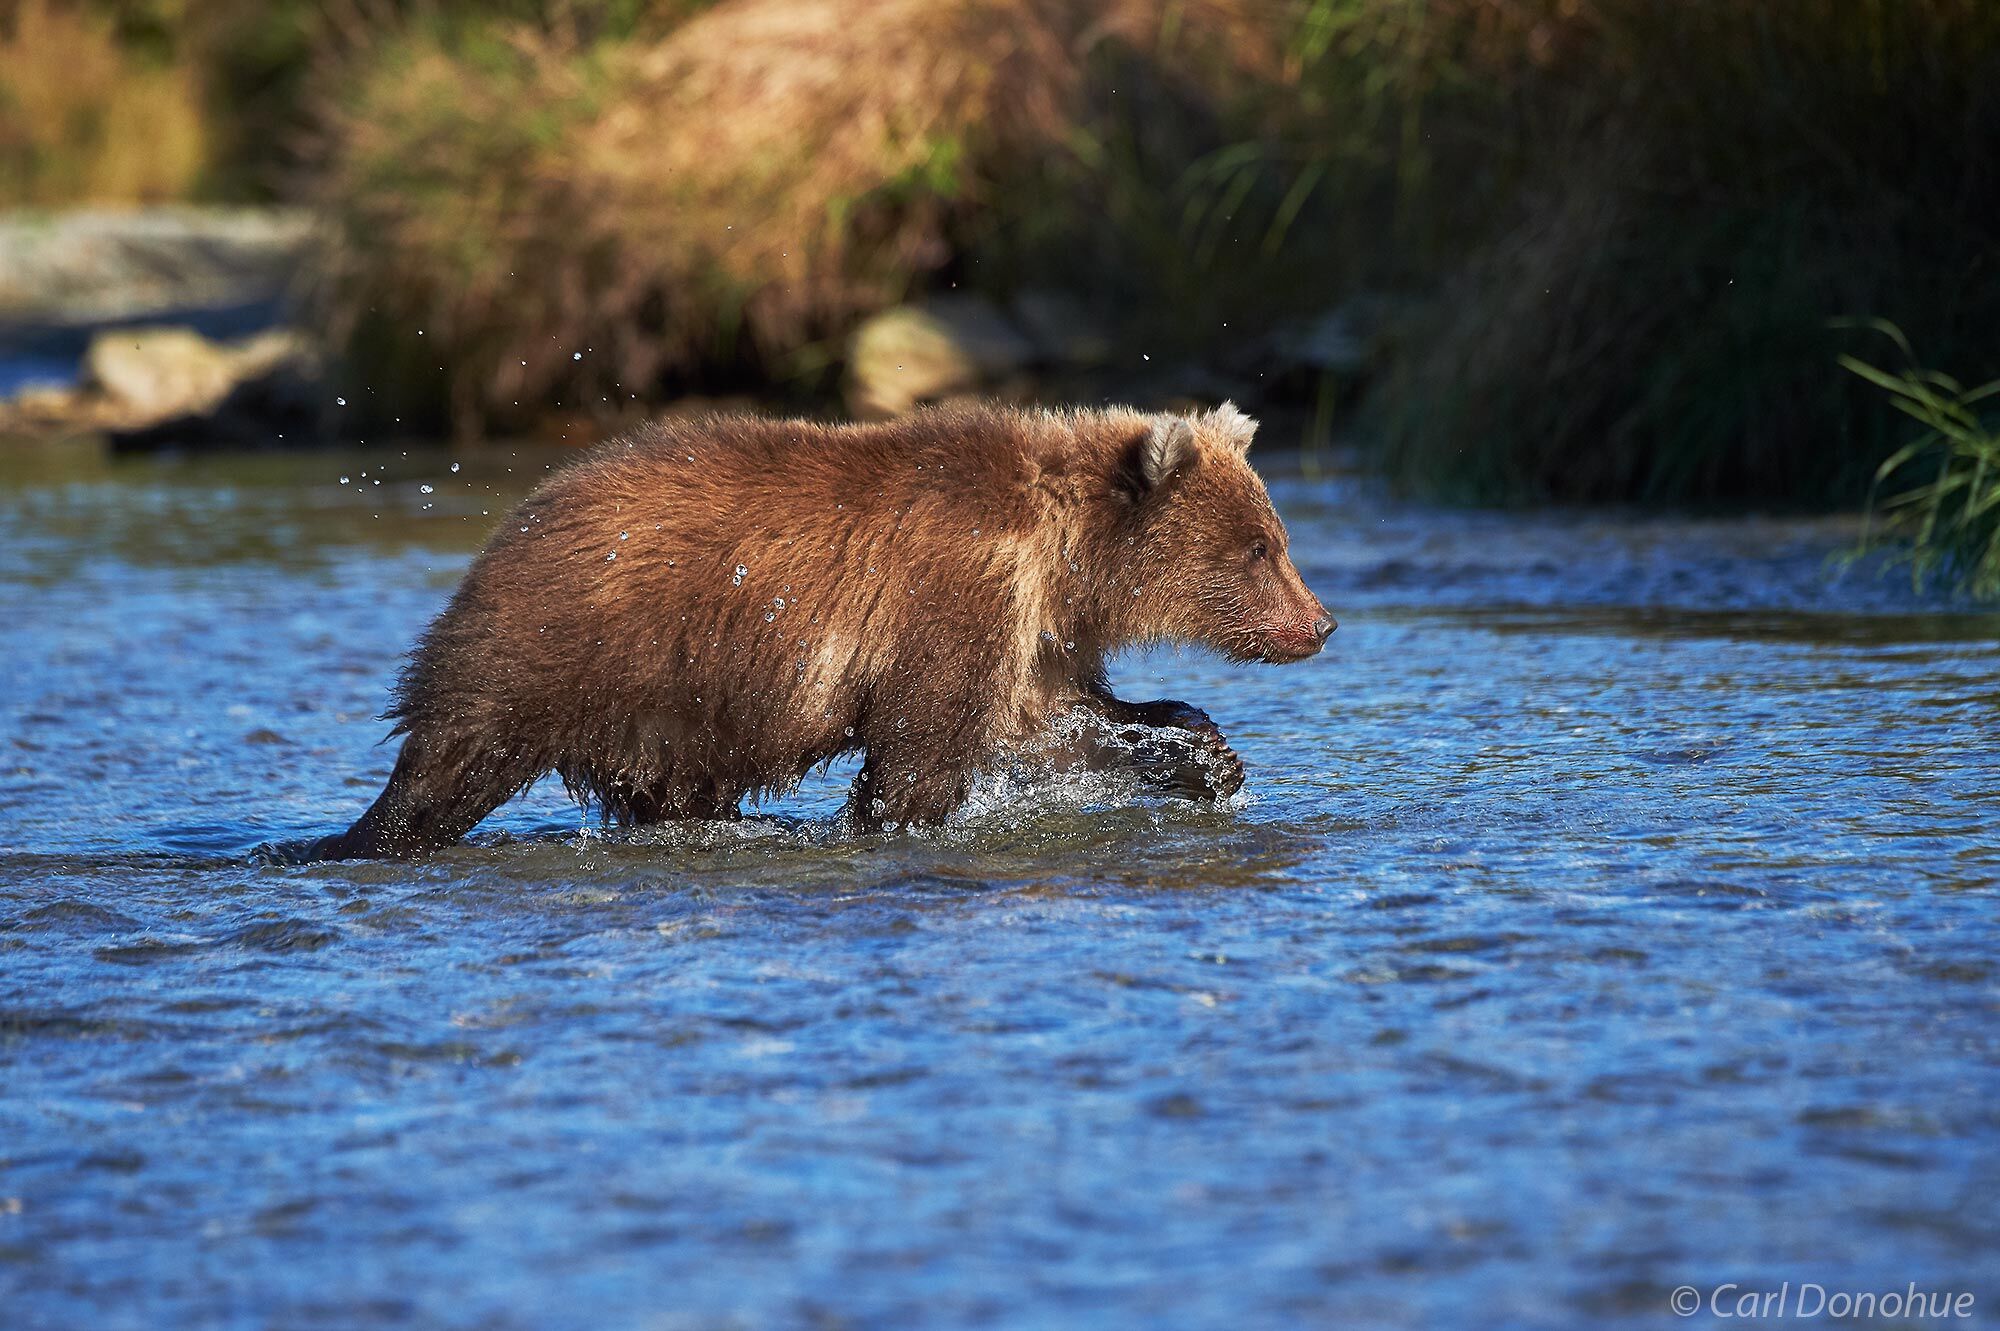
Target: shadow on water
1610,908
1803,627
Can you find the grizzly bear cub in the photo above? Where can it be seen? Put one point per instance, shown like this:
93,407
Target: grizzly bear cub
704,610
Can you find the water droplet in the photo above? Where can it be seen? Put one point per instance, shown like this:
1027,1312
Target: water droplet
613,555
343,480
424,489
454,466
340,402
737,581
768,616
849,732
576,355
624,535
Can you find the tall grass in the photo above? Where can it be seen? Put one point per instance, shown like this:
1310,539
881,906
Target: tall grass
1944,521
85,119
1617,230
124,101
573,222
1686,192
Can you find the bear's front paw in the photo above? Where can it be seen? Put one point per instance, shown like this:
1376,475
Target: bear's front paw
1167,714
1220,769
1200,766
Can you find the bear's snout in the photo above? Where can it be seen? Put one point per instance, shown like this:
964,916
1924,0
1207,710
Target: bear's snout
1299,640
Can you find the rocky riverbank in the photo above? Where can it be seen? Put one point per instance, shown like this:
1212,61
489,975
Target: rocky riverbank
179,328
156,326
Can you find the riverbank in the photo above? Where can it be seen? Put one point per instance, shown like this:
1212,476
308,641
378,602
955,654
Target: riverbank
1617,234
157,326
195,329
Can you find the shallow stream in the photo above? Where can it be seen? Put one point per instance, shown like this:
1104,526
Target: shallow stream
1613,906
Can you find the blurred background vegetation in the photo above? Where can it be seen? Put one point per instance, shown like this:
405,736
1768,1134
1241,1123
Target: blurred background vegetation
1581,249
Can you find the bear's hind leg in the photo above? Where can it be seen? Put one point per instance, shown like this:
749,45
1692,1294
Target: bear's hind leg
903,786
432,800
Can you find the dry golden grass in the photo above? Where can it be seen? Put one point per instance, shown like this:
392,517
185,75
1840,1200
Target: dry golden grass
721,196
1635,218
803,149
81,121
729,195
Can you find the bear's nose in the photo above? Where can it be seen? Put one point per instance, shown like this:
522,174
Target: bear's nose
1323,629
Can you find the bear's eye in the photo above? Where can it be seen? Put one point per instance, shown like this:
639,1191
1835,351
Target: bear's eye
1259,552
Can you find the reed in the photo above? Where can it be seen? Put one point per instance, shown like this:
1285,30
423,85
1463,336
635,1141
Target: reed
1686,194
1940,516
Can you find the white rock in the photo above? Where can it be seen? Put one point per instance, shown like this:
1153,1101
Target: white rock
915,354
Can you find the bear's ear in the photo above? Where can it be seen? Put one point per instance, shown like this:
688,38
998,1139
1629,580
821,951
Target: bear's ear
1228,423
1166,449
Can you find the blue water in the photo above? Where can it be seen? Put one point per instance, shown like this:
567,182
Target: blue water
19,372
1611,908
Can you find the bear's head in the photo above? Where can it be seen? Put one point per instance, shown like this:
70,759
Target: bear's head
1211,559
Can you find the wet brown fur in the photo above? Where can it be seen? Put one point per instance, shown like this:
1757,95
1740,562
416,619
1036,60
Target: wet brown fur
706,610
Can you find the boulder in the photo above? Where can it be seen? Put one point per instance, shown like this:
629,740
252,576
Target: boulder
97,266
154,373
160,372
915,354
152,387
1339,342
121,319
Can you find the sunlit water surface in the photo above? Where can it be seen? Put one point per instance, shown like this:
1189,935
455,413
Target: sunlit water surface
1612,907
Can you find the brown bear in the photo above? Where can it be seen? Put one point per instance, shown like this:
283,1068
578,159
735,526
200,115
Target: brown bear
704,610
